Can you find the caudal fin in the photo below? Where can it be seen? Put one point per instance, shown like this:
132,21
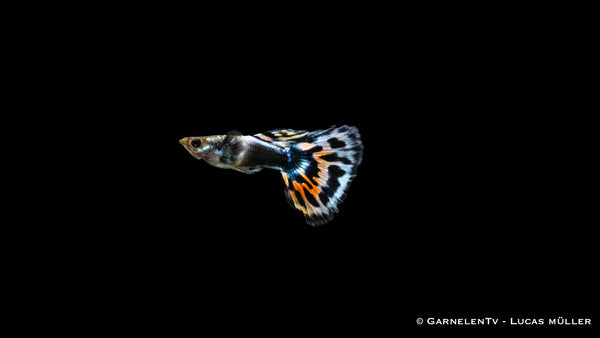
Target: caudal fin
323,163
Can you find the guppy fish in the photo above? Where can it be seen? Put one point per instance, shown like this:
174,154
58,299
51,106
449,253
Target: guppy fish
317,167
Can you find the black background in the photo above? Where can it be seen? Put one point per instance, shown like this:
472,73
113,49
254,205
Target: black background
465,203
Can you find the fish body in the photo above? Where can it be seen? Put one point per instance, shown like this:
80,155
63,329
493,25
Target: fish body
317,167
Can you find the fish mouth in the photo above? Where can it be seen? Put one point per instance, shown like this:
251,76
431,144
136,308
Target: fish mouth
184,142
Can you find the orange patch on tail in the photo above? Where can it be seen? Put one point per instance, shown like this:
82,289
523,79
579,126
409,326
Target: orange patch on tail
285,179
314,190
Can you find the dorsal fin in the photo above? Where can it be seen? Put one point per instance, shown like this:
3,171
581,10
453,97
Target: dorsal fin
230,136
234,133
230,141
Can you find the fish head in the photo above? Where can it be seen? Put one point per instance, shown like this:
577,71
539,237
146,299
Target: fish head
203,147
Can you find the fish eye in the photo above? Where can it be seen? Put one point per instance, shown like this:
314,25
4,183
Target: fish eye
196,142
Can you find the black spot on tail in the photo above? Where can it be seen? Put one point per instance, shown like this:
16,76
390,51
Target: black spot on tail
335,157
335,172
324,195
314,150
335,143
311,199
333,183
